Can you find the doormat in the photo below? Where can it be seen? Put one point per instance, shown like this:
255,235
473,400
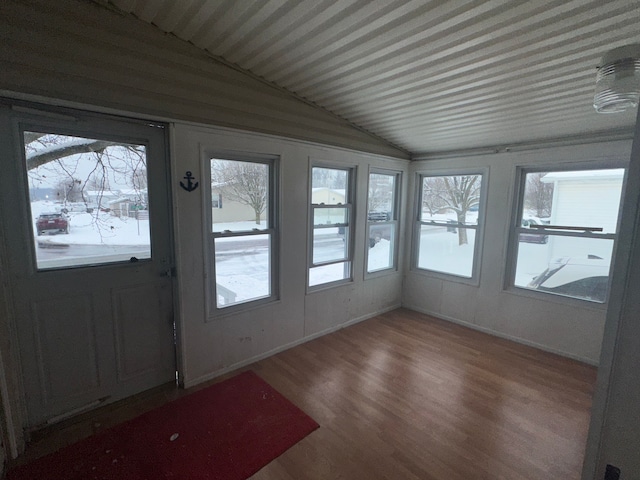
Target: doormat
227,431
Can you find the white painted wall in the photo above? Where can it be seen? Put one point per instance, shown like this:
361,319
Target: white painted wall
211,345
571,328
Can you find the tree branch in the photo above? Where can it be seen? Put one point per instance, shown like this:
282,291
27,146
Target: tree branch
56,152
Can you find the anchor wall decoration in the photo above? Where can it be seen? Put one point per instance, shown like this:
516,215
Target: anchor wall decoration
190,186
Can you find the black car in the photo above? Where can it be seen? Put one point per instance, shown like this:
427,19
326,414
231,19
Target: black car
532,237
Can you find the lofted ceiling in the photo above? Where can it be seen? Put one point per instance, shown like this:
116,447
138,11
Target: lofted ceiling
427,76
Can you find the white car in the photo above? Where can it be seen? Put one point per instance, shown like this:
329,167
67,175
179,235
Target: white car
579,277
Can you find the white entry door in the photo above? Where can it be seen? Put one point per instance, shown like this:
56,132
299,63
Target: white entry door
86,216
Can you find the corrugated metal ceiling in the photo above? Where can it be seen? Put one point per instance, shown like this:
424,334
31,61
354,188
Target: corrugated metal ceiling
428,76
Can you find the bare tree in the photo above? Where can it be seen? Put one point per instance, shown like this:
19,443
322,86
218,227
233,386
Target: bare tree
83,169
329,178
538,195
455,193
380,192
56,151
242,182
60,157
69,190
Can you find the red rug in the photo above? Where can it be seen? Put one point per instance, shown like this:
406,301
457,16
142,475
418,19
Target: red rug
227,431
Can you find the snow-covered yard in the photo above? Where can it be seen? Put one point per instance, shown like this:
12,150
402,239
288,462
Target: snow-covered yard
243,263
96,228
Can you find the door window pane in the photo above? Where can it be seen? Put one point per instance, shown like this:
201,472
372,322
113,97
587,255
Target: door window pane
88,199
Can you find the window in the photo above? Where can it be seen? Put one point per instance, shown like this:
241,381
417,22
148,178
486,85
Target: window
565,231
89,200
332,226
448,223
382,220
243,230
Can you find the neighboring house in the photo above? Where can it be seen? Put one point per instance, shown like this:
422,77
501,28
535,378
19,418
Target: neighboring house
225,210
101,198
128,202
584,199
328,195
138,196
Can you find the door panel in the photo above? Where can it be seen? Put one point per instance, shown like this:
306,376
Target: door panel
66,325
138,331
90,245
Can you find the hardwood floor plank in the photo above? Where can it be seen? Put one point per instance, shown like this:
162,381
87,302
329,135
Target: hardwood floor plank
408,393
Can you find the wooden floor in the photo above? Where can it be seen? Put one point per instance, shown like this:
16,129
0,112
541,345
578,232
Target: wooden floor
405,396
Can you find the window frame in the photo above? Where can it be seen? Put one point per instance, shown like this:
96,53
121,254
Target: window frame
394,221
272,230
476,267
350,225
515,229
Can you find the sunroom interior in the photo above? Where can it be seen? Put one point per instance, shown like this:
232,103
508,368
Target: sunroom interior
365,121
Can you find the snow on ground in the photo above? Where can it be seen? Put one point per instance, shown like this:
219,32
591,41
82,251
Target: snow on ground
245,270
440,251
379,256
97,228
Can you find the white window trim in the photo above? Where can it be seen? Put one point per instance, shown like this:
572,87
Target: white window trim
352,171
515,229
395,221
474,279
211,290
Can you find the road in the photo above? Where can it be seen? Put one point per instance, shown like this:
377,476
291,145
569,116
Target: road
60,255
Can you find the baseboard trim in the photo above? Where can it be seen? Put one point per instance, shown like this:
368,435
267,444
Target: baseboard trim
499,334
282,348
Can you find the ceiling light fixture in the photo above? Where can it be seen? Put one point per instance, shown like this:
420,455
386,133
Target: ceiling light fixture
618,80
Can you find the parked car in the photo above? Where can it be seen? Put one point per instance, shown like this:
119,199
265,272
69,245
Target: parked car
532,237
378,232
378,216
52,223
581,277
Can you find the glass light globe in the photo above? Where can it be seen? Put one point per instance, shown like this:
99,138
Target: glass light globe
618,80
